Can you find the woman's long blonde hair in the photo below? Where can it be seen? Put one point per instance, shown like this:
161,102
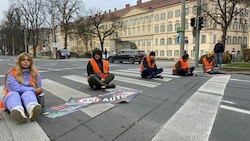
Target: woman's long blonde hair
18,69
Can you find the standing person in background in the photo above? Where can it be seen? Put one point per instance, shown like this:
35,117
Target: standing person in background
181,67
218,50
22,86
105,54
98,72
148,67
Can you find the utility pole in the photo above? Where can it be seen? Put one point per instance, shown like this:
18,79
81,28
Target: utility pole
25,41
53,29
197,35
183,21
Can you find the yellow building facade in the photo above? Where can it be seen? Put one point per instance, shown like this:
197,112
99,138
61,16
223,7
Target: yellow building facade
153,25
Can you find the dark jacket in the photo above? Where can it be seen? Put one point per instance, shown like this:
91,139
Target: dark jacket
219,48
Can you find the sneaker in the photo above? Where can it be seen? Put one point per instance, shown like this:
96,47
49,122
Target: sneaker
18,114
34,110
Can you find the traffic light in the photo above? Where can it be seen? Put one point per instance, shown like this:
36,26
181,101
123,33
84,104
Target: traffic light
201,20
192,22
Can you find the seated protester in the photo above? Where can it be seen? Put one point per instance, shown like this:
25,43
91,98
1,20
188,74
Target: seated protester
22,86
181,67
98,72
148,67
208,64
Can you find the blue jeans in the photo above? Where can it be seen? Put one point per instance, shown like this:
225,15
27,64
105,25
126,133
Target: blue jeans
218,59
150,72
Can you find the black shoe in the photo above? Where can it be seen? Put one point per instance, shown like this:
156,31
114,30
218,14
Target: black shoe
159,76
111,85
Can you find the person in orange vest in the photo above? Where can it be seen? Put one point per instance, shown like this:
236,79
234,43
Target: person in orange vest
148,67
98,72
208,64
21,88
181,67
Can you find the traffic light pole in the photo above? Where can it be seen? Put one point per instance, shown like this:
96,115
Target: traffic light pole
183,21
197,36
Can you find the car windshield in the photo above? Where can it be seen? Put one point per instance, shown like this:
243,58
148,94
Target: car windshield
141,52
64,51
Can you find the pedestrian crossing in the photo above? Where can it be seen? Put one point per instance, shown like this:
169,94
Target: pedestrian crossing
64,92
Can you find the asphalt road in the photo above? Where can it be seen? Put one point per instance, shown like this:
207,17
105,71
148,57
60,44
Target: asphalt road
214,108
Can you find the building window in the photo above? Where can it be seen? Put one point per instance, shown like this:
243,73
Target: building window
186,25
162,28
162,53
176,53
244,40
163,16
170,27
203,39
149,29
169,41
156,42
234,39
157,17
170,15
177,13
192,53
240,40
177,25
229,40
194,10
156,29
214,39
138,30
162,41
187,11
169,53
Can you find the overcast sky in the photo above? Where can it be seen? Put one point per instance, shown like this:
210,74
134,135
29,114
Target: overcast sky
104,5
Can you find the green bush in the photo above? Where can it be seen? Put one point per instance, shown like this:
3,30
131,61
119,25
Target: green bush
226,58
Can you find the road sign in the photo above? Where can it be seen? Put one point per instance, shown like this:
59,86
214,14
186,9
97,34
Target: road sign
55,45
180,30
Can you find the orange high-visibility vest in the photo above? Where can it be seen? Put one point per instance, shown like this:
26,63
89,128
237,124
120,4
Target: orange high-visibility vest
97,70
148,62
6,92
184,64
207,65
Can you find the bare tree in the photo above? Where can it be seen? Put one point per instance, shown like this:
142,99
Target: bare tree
33,16
103,25
222,13
66,11
12,31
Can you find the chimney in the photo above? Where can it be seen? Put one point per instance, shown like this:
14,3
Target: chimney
105,12
109,11
127,5
115,9
138,2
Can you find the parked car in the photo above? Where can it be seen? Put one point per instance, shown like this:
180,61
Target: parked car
128,55
108,54
63,54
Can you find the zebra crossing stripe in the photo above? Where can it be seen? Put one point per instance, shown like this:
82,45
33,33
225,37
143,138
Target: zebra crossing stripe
65,92
137,82
131,73
201,104
83,80
12,130
164,73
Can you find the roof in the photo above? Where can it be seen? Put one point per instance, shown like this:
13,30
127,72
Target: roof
153,4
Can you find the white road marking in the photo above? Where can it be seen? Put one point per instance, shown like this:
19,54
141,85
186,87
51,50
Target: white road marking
235,109
229,102
65,92
195,119
12,130
240,80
